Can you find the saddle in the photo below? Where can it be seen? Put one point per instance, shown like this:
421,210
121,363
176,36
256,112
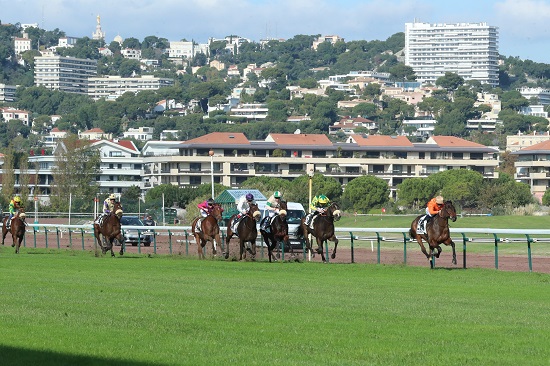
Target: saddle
421,226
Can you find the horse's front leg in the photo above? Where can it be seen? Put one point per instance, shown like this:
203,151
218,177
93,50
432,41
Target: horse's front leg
320,250
422,247
227,239
241,249
200,244
335,240
452,244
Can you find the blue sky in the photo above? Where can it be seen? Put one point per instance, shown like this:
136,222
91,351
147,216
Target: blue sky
523,24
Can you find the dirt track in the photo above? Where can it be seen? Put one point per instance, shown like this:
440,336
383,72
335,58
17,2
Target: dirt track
178,245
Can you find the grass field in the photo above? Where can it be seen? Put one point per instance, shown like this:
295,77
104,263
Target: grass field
72,308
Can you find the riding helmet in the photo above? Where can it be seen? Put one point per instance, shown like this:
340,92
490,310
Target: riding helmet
277,194
439,200
249,197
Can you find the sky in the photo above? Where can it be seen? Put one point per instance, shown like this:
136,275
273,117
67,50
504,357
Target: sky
523,25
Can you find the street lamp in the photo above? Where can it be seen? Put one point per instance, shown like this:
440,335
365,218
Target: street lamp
211,153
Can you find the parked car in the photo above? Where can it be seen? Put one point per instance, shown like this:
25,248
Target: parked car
131,235
294,214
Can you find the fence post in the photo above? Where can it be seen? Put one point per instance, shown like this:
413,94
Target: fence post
139,241
154,241
187,243
496,250
464,240
35,229
82,235
405,239
46,235
378,238
170,241
529,241
57,233
351,240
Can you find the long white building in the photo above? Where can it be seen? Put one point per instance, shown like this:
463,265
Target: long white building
112,86
467,49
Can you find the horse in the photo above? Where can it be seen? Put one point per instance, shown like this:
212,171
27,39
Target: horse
323,229
110,229
246,231
437,232
278,232
209,229
17,229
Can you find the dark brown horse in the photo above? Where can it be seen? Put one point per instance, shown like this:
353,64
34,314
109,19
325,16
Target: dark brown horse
109,230
17,229
437,232
246,231
209,230
277,233
323,230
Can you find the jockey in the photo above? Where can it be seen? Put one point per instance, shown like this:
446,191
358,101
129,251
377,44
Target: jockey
319,204
243,206
272,206
15,204
108,206
432,208
205,207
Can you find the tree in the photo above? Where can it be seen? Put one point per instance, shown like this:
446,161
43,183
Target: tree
365,193
299,188
450,81
268,185
402,72
8,175
416,192
462,185
74,174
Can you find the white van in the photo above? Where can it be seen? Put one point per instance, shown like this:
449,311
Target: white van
294,214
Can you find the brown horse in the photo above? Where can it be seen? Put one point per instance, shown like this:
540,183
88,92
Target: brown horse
277,233
246,231
437,232
323,230
209,230
17,229
110,229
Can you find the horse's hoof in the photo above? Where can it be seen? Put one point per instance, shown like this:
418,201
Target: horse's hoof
333,256
13,245
319,250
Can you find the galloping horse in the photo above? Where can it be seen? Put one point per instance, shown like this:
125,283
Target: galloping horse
17,229
209,229
110,230
437,232
323,229
278,232
246,231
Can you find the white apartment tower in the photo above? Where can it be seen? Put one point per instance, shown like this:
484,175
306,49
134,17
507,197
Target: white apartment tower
68,74
467,49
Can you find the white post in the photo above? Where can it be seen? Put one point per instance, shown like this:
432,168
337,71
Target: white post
163,217
211,153
70,203
310,181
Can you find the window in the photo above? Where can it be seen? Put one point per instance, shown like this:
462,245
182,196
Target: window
115,154
193,180
195,167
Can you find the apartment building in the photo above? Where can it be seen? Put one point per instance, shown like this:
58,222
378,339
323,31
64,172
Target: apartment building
7,93
121,167
112,87
543,95
22,44
521,140
68,74
288,156
9,113
467,49
533,167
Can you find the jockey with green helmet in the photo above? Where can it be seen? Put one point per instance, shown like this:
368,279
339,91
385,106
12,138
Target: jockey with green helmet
15,205
319,204
272,206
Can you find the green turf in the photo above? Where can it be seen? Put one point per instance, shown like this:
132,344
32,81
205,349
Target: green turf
65,308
